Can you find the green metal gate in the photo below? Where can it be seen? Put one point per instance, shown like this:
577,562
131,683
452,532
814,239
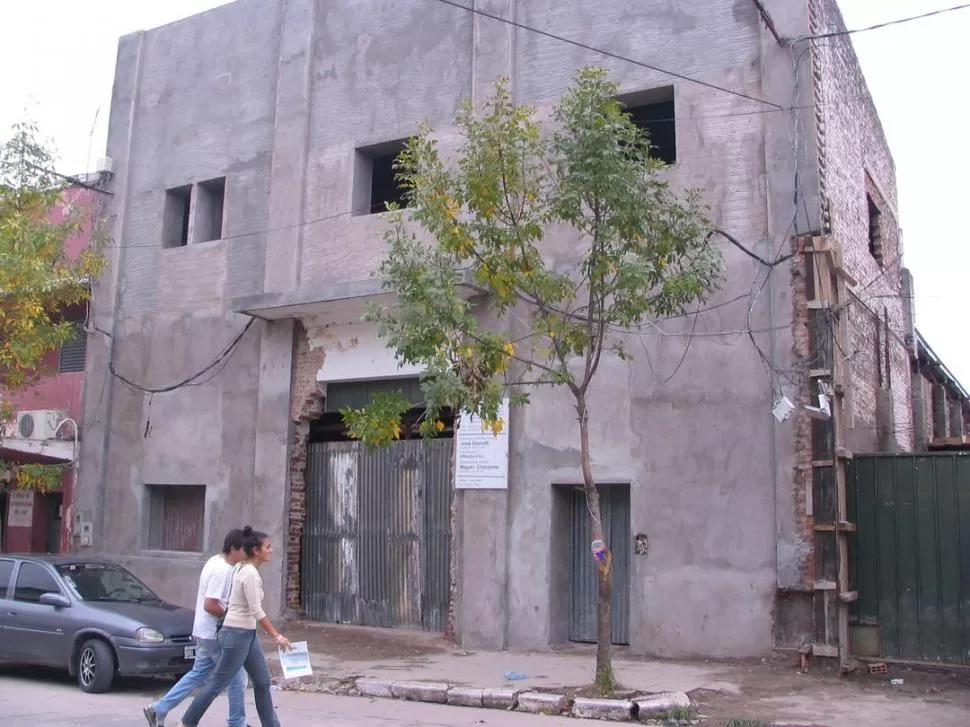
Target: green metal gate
910,557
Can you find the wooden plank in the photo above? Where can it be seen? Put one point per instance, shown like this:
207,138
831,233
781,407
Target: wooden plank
849,597
823,463
842,452
819,373
845,526
825,585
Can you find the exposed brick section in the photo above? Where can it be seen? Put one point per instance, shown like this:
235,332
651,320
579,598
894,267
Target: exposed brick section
307,403
801,422
854,161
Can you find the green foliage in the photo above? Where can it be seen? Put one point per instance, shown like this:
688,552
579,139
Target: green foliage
634,250
37,277
39,477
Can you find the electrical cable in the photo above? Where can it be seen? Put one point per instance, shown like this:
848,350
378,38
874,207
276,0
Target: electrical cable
608,54
878,26
224,354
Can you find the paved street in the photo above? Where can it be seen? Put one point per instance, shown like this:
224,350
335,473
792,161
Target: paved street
44,699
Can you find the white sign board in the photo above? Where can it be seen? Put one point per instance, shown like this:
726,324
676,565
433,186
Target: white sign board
481,457
20,513
296,661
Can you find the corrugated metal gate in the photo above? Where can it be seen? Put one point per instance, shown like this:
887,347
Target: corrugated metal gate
584,590
911,560
376,543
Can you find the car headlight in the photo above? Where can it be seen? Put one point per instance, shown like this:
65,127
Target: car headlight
148,635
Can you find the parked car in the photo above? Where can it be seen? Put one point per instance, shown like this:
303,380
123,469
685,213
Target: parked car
91,617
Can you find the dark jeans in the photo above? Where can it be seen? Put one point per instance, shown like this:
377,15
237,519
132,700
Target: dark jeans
240,649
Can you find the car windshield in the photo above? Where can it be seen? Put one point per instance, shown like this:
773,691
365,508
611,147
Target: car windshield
101,582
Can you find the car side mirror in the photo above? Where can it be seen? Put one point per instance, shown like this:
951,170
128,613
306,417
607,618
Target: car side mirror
56,600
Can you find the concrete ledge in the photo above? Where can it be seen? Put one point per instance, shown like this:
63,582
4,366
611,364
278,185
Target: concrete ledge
613,710
658,705
500,698
541,703
369,687
436,692
466,697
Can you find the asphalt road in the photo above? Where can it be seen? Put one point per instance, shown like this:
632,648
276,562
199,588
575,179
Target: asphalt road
38,698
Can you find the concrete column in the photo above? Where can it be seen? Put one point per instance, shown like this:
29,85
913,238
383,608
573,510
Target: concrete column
270,492
483,515
284,247
955,407
918,405
939,412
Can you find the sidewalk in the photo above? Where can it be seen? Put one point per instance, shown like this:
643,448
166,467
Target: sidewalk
772,691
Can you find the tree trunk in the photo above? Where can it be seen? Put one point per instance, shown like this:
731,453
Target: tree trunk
604,570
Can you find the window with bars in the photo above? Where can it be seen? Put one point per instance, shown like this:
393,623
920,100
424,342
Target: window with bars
176,517
73,354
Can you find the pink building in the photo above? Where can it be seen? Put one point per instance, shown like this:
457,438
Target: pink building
46,425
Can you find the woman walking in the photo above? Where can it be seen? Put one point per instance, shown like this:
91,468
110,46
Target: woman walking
240,645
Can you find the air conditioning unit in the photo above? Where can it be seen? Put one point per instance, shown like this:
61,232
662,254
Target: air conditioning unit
39,424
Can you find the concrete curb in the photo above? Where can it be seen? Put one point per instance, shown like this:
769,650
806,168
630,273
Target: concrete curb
663,708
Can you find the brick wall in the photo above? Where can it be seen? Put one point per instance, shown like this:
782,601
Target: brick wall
855,163
307,403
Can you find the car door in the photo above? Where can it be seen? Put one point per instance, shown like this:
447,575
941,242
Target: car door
6,573
34,633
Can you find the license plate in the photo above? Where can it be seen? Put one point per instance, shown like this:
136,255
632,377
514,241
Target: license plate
189,652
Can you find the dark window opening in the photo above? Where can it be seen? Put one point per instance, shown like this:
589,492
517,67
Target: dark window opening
875,230
176,517
33,581
653,113
375,182
73,354
356,394
330,426
210,203
175,222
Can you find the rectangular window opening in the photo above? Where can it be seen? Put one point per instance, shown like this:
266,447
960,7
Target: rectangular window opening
875,230
176,517
73,354
653,112
175,223
210,204
375,183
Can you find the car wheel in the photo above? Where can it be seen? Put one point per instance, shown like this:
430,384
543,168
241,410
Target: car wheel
95,666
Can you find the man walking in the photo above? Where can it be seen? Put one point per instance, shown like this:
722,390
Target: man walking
210,607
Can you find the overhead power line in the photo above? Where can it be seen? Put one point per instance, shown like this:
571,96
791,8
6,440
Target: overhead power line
608,54
877,26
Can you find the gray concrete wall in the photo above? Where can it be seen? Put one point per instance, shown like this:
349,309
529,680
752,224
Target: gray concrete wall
276,96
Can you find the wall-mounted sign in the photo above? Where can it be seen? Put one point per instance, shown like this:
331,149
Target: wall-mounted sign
20,509
481,456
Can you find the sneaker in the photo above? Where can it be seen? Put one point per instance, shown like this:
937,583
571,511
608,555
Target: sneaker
151,716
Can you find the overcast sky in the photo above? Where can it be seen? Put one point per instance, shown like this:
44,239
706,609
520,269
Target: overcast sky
58,60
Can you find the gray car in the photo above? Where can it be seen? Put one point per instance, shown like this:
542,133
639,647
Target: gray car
91,617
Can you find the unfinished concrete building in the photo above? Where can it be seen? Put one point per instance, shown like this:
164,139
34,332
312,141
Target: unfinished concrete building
252,146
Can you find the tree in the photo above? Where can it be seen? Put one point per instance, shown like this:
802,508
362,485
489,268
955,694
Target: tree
38,278
640,251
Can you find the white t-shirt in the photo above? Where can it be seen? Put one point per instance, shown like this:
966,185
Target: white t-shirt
214,582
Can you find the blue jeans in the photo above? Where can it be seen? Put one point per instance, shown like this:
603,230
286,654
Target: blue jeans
206,656
240,648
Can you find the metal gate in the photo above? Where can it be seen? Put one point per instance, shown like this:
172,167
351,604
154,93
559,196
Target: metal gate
584,590
376,542
911,560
